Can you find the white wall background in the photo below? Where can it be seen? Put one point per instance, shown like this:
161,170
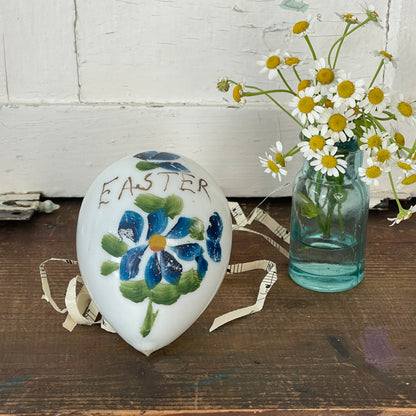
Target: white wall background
86,82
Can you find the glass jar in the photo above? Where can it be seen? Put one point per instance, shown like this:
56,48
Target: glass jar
329,226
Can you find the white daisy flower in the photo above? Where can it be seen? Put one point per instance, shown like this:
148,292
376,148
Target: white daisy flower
408,166
306,105
272,167
404,110
404,214
387,154
325,76
291,60
337,123
277,150
328,162
376,100
238,91
373,15
316,142
302,28
373,140
371,174
347,92
271,64
386,57
409,179
348,18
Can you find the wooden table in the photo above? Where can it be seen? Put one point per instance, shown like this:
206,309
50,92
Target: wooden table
305,353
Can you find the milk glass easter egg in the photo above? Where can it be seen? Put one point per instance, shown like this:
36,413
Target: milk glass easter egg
153,245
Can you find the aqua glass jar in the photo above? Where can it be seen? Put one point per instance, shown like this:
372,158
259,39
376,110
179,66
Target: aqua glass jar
329,226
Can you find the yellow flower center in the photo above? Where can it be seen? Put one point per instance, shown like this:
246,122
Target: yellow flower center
409,180
300,27
383,155
386,55
317,143
376,96
304,84
279,159
328,103
292,60
345,89
325,76
157,242
329,161
373,172
405,109
273,62
399,138
404,166
273,166
337,122
374,141
306,104
237,93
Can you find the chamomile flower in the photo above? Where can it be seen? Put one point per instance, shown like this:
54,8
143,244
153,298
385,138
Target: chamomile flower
408,166
328,162
315,142
347,92
404,214
302,28
376,100
408,180
271,64
305,83
404,109
348,18
372,140
306,106
291,60
325,76
386,155
272,167
277,150
238,91
337,123
373,15
386,57
371,174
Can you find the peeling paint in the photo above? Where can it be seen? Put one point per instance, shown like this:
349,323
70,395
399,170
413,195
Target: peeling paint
298,6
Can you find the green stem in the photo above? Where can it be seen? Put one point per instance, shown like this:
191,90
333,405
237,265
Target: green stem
399,205
339,47
310,47
377,72
296,73
285,82
253,94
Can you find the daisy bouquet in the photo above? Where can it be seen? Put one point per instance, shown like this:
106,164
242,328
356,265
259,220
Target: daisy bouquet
336,112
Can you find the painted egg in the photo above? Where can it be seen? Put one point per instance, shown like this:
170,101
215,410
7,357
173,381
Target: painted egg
153,245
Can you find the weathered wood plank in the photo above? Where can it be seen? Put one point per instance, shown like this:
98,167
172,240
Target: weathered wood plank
344,354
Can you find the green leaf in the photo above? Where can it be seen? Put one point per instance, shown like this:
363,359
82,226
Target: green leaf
150,203
148,321
173,206
165,294
112,245
196,229
143,166
189,282
135,290
109,267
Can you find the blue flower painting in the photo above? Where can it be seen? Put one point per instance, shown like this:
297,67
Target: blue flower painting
152,160
163,255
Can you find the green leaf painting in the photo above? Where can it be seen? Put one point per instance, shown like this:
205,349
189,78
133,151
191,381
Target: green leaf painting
113,246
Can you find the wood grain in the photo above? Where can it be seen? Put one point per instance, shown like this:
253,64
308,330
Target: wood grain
306,353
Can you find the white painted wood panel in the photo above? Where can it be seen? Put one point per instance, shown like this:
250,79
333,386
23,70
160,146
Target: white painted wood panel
38,50
86,82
